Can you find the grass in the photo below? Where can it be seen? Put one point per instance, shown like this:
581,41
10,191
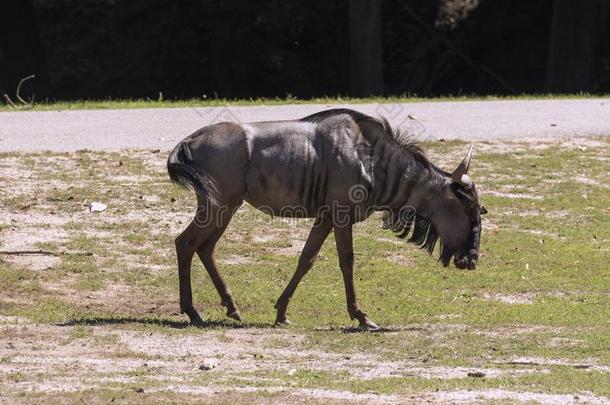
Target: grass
206,102
541,293
595,382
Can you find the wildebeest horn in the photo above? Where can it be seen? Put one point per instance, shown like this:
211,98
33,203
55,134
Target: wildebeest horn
460,175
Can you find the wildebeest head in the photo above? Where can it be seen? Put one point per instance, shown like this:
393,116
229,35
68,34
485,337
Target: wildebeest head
457,218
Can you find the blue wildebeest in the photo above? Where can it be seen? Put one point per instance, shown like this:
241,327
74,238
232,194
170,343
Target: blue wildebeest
337,166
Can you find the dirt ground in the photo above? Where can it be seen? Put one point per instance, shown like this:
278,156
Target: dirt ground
57,359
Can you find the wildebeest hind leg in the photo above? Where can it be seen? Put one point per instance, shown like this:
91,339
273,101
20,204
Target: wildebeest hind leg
186,245
316,238
206,254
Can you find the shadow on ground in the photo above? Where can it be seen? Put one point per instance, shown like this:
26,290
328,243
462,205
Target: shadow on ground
175,324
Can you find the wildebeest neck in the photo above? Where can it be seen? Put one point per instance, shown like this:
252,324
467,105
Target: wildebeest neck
403,177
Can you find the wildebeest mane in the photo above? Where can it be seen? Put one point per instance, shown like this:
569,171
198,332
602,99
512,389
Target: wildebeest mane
407,223
395,136
422,233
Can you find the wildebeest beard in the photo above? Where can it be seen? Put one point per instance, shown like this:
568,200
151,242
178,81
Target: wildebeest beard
419,230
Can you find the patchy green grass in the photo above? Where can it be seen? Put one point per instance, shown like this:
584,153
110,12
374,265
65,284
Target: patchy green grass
533,318
207,102
560,378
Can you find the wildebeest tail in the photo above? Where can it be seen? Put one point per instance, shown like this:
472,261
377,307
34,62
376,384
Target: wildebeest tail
182,171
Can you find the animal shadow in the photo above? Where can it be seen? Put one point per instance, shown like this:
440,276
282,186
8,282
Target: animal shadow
174,324
355,329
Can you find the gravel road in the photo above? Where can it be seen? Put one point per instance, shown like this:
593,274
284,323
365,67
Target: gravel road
162,128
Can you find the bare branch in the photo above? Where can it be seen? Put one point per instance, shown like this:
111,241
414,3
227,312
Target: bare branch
41,252
18,93
9,101
27,252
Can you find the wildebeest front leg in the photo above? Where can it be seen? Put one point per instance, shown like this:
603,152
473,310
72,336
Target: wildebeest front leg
316,238
345,250
206,254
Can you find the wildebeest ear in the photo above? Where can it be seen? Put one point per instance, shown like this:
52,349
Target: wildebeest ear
460,174
483,210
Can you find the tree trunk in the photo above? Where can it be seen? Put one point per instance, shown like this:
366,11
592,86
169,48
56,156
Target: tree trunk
573,46
21,49
366,68
3,78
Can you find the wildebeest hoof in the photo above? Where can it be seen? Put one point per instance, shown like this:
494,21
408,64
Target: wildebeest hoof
196,320
193,315
282,322
368,326
234,315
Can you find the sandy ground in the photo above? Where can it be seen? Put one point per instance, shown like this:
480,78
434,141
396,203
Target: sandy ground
162,128
52,359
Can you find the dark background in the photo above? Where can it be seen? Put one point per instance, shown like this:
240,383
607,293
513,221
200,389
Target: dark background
96,49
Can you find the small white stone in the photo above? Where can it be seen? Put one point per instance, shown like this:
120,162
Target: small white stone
97,207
